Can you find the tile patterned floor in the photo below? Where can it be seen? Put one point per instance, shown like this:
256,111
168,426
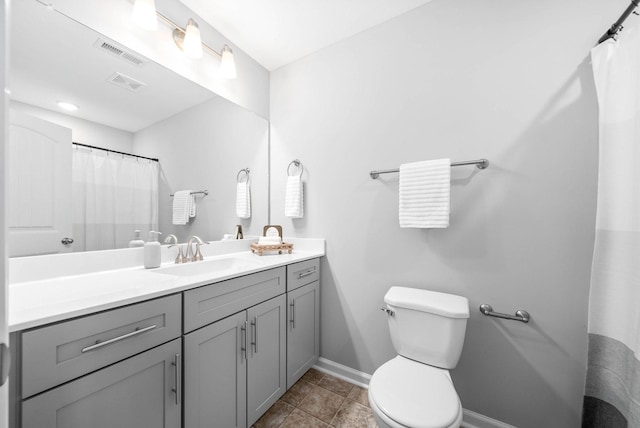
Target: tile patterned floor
322,401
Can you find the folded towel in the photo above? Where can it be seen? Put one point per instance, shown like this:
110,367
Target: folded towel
192,206
425,194
181,206
243,200
293,200
269,240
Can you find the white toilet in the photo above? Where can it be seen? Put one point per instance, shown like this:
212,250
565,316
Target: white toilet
414,389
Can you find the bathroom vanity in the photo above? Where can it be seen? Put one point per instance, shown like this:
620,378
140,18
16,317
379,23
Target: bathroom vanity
221,342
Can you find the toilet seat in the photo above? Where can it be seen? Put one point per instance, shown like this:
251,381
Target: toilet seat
416,395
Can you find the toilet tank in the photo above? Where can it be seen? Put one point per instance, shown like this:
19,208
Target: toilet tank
427,326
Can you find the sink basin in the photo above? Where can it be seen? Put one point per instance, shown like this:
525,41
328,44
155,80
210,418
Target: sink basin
208,266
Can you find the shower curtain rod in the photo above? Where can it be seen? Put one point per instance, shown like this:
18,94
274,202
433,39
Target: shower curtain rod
120,153
617,26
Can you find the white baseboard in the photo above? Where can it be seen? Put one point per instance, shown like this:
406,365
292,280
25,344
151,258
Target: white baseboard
476,420
343,372
470,419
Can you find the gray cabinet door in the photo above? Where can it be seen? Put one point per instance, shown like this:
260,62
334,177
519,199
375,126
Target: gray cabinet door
215,375
266,364
136,393
303,330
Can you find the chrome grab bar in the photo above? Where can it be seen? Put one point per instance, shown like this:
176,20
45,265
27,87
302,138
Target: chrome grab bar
521,315
136,332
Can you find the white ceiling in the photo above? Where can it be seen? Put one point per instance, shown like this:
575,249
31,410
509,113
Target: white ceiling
278,32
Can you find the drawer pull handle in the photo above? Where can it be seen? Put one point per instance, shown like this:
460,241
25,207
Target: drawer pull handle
177,363
254,329
307,273
136,332
292,305
243,341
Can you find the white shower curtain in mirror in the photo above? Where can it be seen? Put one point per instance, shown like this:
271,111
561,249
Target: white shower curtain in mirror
612,396
113,195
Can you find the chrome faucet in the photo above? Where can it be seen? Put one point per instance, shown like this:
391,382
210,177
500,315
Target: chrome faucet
191,257
171,239
180,258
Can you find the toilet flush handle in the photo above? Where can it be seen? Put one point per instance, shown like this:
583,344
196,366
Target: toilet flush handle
388,311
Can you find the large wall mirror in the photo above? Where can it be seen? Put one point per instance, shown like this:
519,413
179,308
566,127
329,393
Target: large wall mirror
128,105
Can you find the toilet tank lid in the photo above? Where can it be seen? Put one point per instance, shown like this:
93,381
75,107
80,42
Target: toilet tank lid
444,304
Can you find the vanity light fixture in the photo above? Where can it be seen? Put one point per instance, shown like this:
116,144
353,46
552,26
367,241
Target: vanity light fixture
189,40
227,63
144,14
67,106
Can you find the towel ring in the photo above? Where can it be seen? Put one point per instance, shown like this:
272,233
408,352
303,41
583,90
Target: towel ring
239,176
297,163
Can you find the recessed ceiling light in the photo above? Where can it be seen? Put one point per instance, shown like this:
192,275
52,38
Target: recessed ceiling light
67,106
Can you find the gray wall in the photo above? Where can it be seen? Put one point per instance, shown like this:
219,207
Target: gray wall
509,81
204,148
82,131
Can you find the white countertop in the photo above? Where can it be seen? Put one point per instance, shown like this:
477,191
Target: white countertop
34,303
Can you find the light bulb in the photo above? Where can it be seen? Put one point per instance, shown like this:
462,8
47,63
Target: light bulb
67,106
192,44
227,63
144,14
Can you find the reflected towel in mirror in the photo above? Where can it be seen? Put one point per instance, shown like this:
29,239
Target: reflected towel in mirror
243,200
181,206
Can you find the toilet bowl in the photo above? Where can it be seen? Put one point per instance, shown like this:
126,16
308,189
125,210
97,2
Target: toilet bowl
406,394
414,389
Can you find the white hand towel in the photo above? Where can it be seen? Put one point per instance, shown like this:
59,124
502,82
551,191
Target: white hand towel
425,194
192,206
243,200
293,200
181,206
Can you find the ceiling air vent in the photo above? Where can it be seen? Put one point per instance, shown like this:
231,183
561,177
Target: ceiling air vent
117,50
126,82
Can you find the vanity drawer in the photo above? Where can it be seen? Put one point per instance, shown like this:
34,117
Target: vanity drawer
60,352
213,302
302,273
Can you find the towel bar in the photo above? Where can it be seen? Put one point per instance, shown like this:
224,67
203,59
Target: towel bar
199,192
480,163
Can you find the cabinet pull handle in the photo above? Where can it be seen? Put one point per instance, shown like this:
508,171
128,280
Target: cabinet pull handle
292,318
243,341
136,332
254,329
177,363
307,273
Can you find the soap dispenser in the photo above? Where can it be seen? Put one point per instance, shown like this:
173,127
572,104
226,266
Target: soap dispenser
152,251
136,241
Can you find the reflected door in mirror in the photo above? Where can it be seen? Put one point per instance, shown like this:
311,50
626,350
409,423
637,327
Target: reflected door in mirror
39,205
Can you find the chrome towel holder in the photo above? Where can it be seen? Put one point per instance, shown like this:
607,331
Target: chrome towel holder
521,315
480,163
198,192
298,164
246,171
